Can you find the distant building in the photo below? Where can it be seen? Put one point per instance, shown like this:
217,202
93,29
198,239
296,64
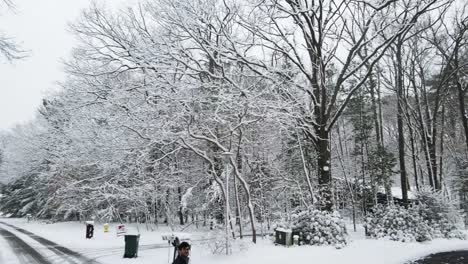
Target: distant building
396,194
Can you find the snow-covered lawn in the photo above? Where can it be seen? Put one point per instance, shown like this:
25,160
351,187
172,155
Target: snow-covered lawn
107,248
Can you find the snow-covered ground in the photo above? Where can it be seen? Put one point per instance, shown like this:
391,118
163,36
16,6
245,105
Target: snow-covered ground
107,248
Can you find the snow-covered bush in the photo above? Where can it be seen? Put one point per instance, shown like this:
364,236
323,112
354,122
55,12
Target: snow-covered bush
397,223
432,217
316,227
440,213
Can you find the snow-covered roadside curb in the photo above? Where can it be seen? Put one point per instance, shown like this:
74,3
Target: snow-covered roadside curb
359,251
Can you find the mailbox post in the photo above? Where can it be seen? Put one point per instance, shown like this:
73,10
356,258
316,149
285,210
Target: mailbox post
89,229
170,239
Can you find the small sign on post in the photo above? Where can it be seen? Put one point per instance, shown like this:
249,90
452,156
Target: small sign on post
121,230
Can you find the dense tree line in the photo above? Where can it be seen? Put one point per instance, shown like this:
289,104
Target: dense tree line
323,104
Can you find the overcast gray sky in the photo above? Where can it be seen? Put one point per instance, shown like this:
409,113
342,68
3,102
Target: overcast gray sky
41,27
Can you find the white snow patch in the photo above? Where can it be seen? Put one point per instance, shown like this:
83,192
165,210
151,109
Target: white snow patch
396,192
186,197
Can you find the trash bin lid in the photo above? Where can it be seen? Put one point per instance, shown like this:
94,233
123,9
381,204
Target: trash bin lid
283,230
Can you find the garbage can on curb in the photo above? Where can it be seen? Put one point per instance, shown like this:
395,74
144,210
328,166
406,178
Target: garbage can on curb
131,246
283,237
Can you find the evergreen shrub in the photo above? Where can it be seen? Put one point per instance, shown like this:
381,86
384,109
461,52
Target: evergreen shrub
316,227
431,216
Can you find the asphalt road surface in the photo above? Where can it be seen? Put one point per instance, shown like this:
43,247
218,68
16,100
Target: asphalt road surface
28,254
454,257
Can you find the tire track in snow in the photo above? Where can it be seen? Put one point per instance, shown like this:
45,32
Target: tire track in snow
23,248
56,248
6,252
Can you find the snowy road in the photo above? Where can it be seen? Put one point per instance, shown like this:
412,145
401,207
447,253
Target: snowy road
24,252
454,257
42,251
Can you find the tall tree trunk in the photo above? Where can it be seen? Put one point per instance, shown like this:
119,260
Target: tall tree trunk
372,86
306,171
248,195
363,175
324,162
413,155
379,101
461,90
180,212
387,180
361,146
431,133
423,130
463,112
442,132
401,152
236,190
345,174
379,140
400,116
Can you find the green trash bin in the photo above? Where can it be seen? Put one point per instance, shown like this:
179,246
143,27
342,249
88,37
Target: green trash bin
283,237
131,246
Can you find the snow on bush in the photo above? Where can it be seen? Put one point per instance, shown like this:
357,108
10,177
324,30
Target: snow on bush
316,227
433,217
440,213
397,223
